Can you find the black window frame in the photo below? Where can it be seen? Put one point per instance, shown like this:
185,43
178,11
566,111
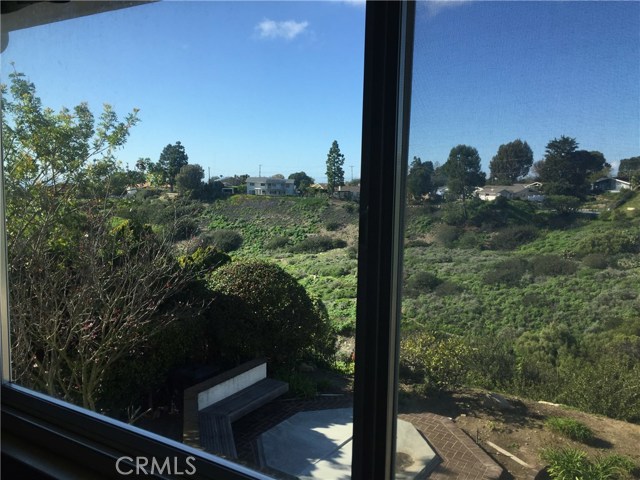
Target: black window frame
58,439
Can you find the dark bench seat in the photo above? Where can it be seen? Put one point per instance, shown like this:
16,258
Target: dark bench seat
214,421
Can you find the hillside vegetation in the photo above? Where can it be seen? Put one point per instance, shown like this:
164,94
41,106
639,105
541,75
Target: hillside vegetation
518,298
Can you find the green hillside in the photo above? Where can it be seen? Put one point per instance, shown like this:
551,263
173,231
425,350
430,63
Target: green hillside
537,300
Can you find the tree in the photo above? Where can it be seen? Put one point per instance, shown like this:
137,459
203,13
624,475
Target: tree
83,289
566,170
143,164
302,181
335,172
76,313
592,165
189,179
629,167
48,160
562,204
172,159
512,161
463,172
419,179
261,298
211,190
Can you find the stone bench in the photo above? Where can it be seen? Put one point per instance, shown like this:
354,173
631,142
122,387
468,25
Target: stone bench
211,406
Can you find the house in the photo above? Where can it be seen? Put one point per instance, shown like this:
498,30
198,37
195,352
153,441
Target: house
270,186
520,191
607,184
348,192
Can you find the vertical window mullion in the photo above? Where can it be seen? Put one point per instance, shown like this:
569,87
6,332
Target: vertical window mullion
387,84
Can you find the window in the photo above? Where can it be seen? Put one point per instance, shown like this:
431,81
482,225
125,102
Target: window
513,283
59,427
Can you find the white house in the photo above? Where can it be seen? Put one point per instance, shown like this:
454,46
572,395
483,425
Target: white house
519,190
607,184
270,186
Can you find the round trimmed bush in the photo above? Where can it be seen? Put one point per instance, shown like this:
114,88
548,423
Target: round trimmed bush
259,310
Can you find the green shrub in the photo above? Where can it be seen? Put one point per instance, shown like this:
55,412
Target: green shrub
260,310
300,385
552,265
141,374
203,259
512,237
471,239
508,272
453,214
147,193
573,464
317,244
598,261
491,362
570,428
225,240
434,363
448,288
350,207
185,228
344,367
566,463
421,282
335,271
446,235
416,243
277,243
562,204
612,242
607,383
333,226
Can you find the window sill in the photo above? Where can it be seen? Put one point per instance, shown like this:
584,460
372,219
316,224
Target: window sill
68,442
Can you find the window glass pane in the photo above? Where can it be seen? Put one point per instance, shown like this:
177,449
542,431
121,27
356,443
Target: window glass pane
521,244
182,188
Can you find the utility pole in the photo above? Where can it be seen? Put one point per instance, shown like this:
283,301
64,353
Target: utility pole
209,179
351,172
259,170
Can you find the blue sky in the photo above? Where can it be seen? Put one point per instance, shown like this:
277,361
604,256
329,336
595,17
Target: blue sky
244,84
487,73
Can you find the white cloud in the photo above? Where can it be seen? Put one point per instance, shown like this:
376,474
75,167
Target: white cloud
356,3
288,29
434,7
